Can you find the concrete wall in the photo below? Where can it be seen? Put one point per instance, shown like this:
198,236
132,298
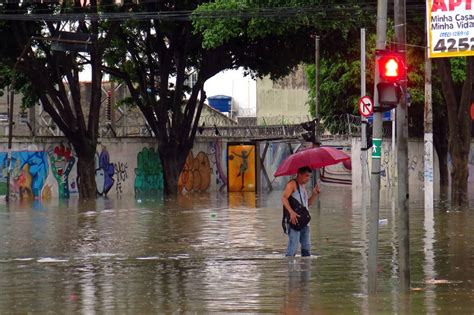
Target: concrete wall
283,100
388,178
46,167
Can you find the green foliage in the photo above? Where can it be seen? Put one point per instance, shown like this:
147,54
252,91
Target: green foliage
339,82
458,69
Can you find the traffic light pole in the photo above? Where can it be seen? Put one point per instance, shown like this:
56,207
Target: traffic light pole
316,174
363,125
376,156
402,153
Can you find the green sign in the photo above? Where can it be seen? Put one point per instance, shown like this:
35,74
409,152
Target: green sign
376,148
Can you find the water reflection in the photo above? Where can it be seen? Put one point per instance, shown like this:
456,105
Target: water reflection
298,295
203,253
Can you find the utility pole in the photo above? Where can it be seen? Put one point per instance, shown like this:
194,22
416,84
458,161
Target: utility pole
376,156
428,136
402,153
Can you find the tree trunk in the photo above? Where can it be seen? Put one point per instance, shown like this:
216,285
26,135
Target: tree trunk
443,174
440,141
86,174
459,127
172,160
459,176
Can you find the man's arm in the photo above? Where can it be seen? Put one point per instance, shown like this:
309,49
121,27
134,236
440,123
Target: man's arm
314,194
289,189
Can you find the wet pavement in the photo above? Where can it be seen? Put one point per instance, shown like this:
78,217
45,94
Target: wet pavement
219,253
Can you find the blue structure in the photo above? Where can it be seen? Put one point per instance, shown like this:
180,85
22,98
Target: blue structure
387,116
222,103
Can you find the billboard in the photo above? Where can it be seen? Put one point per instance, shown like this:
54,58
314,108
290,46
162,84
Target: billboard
450,25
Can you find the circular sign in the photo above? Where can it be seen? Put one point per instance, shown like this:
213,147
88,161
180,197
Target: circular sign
366,106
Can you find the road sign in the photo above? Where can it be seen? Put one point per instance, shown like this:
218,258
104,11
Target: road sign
386,116
366,106
376,148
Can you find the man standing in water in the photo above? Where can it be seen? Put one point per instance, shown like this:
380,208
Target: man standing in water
291,189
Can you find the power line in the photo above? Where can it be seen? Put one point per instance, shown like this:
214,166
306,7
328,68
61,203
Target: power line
326,12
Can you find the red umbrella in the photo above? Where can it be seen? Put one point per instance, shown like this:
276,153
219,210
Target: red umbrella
314,158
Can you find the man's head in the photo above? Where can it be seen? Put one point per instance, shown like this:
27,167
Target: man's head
304,174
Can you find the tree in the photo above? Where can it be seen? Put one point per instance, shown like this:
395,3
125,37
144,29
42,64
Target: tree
50,76
457,78
154,57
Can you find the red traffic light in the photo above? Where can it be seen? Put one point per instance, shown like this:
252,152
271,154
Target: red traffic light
391,66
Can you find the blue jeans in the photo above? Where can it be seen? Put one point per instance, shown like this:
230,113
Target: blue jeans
295,237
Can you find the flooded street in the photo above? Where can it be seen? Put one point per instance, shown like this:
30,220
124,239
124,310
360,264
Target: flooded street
225,253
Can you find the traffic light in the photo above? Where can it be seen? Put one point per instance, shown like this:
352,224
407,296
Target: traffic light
391,72
368,133
310,127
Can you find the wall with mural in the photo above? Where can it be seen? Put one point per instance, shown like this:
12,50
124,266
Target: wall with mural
205,168
388,177
123,167
131,167
49,169
276,152
241,164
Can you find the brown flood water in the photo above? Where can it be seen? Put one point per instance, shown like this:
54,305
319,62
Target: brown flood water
224,253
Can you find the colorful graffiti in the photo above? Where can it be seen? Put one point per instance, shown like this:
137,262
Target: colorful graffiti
29,173
62,161
241,170
217,159
196,174
104,172
148,174
276,153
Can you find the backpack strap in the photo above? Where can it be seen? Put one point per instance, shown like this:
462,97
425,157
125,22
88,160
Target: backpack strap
299,191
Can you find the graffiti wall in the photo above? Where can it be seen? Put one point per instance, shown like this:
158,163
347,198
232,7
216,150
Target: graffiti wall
276,152
122,167
388,176
242,173
132,167
205,168
148,173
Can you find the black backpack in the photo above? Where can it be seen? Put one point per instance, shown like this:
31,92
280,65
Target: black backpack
302,211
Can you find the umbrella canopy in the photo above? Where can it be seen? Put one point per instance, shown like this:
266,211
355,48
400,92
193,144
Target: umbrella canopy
314,158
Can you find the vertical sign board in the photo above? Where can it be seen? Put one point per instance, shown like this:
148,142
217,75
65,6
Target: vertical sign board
450,25
241,167
376,148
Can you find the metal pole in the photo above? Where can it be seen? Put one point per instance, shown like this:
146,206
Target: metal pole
402,156
376,155
10,136
363,119
317,104
428,136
